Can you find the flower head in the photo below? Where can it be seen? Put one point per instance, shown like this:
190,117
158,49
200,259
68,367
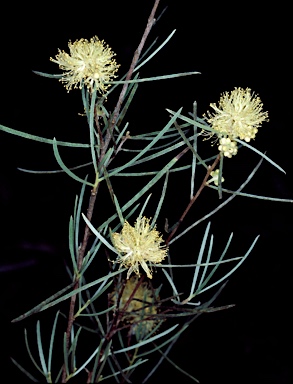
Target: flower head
138,245
228,147
239,115
90,63
215,177
141,310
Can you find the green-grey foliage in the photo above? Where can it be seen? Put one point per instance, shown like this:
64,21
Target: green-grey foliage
125,346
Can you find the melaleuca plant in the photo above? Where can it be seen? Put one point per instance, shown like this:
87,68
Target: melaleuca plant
131,318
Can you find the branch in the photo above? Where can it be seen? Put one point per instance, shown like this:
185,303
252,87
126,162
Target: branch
203,184
114,117
104,147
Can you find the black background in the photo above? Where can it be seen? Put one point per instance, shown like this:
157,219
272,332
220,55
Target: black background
243,46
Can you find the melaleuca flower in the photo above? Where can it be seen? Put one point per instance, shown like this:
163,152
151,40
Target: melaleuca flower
215,177
228,147
139,245
90,63
239,115
140,312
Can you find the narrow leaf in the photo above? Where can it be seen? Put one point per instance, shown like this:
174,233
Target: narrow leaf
40,349
164,77
63,166
52,341
41,139
31,377
261,154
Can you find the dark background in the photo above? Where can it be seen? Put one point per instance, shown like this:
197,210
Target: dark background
231,47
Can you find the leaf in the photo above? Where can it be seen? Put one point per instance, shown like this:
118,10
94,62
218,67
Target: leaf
31,377
144,342
163,77
220,206
52,341
51,76
50,302
261,154
40,349
155,52
95,232
200,255
41,139
63,166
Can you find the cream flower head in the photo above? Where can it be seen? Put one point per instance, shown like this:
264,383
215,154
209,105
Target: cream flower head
90,63
239,115
138,245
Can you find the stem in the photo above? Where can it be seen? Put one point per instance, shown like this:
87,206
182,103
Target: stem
79,265
92,134
104,146
203,184
114,118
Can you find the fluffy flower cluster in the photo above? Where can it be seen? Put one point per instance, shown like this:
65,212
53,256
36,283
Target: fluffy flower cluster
141,310
90,63
139,245
239,115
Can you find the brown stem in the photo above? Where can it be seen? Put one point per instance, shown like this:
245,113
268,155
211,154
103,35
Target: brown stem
150,23
203,184
79,265
104,146
99,130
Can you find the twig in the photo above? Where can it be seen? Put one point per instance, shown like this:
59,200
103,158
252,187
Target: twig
114,117
104,146
203,184
77,277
